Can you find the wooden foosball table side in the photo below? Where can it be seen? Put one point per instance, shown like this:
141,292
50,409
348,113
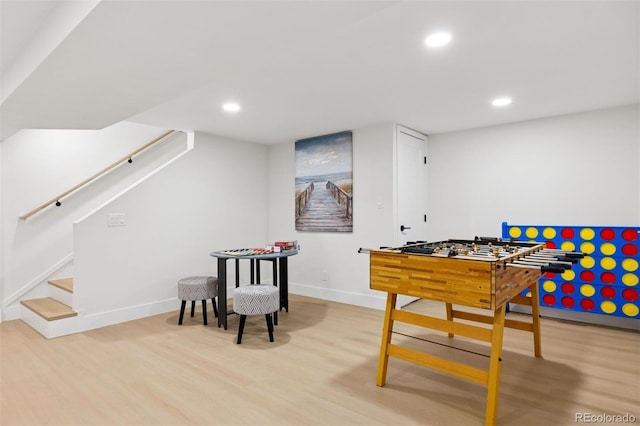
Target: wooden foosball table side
474,284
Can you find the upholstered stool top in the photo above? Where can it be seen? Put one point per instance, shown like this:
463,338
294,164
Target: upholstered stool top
256,299
197,288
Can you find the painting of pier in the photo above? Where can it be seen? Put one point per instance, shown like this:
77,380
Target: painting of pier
324,183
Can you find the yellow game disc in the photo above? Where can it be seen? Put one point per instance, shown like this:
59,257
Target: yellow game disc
587,234
630,310
630,265
630,280
549,286
568,275
531,232
608,263
607,249
587,262
608,307
568,245
549,233
515,232
587,248
587,290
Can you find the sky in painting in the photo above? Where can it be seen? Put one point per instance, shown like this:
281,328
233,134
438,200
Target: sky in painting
324,155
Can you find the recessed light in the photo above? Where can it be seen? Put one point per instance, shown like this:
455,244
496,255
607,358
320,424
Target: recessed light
500,102
231,107
437,39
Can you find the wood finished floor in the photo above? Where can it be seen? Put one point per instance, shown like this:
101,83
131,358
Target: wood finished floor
319,371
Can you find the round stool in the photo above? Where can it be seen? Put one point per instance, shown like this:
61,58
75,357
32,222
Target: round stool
256,299
198,288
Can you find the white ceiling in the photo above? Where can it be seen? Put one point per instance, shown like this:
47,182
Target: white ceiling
305,68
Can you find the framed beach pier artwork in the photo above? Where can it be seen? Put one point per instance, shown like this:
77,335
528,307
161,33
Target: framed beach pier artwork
324,183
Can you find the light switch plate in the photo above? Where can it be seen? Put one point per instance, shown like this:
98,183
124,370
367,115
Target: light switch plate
116,219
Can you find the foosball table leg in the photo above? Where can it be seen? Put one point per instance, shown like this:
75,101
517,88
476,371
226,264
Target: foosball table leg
493,382
535,317
387,331
449,308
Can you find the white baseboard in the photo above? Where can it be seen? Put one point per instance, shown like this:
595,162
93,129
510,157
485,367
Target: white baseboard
103,319
374,301
11,312
63,327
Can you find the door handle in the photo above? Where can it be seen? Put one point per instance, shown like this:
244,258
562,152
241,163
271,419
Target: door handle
402,228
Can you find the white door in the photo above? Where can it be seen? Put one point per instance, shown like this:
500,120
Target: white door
411,191
411,185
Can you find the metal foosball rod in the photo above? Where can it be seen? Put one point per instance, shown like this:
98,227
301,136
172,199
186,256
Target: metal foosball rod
547,259
545,262
551,256
540,267
555,258
572,254
548,254
542,260
549,267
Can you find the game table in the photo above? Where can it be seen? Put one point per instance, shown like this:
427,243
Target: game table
481,273
280,274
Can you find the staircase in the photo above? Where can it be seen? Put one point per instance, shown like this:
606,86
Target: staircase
52,316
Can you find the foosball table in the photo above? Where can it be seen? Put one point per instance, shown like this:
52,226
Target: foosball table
484,273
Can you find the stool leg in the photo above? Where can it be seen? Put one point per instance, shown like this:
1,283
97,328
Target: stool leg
275,318
269,327
243,318
204,310
193,307
182,305
215,309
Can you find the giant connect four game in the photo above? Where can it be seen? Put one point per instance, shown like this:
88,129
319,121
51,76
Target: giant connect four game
605,281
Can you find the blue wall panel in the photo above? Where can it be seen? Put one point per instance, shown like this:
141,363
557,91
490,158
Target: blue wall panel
605,281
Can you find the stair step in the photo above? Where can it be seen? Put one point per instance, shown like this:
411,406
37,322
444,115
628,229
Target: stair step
65,284
49,309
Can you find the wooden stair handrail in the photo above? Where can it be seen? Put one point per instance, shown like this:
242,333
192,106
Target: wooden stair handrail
95,176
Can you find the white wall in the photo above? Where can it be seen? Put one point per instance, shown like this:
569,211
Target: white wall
1,238
37,165
212,198
579,169
337,253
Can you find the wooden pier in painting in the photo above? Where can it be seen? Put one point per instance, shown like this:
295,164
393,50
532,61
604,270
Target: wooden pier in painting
325,211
